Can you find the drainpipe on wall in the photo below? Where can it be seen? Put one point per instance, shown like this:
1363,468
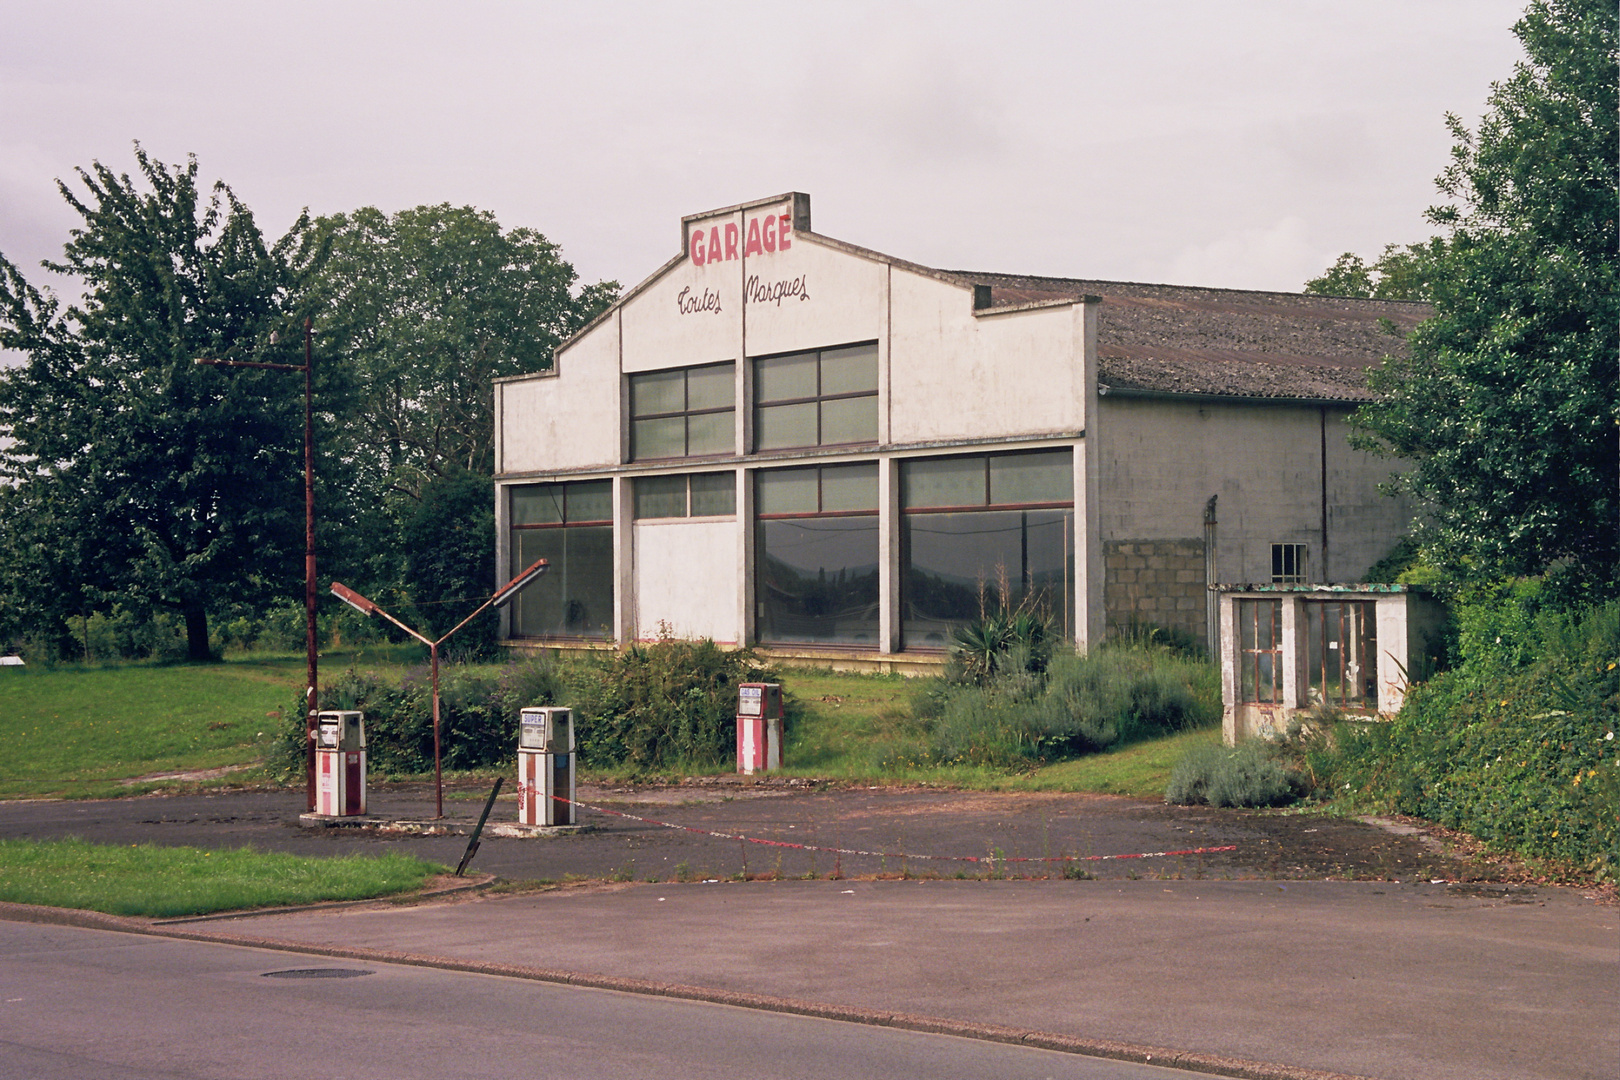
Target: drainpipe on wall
1211,610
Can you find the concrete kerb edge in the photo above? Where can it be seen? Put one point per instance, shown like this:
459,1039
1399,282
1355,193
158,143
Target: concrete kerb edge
1190,1061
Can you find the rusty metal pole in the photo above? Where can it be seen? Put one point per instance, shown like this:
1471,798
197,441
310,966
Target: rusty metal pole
438,776
311,696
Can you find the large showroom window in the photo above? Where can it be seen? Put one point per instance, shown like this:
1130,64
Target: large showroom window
986,533
817,555
571,525
684,412
824,398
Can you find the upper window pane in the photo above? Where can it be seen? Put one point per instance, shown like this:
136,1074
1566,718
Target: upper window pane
537,504
777,427
849,487
712,387
1032,478
657,392
711,433
942,482
787,491
660,496
785,378
848,420
664,437
849,371
590,501
714,494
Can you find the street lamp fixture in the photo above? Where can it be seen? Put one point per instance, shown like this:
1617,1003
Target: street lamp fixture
311,704
501,596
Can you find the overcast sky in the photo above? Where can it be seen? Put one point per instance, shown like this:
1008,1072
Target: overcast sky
1213,142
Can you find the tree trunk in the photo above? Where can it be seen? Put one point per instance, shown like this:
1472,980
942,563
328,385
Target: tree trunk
197,634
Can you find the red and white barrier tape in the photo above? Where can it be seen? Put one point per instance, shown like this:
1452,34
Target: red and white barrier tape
891,854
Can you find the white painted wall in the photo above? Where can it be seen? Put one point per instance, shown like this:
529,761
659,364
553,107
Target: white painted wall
954,375
686,575
566,420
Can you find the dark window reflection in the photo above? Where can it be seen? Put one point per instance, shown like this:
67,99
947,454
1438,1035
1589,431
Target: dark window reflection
575,597
960,565
818,580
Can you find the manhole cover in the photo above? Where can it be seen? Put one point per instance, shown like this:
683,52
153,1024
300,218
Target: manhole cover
317,973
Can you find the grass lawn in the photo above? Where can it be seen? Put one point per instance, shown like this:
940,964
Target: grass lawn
82,732
166,882
841,724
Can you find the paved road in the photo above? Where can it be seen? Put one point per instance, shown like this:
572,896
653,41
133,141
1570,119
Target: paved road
1409,982
91,1003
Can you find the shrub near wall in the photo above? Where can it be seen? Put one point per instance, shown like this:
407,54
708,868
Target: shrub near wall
1519,745
668,704
478,715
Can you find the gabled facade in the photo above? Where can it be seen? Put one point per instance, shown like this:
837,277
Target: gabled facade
785,440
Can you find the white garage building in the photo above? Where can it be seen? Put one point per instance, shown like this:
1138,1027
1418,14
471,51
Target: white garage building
785,440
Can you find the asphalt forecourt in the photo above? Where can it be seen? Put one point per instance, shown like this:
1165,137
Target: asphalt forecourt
718,829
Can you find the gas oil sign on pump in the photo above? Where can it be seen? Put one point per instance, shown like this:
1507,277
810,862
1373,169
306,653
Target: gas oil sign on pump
759,727
546,766
340,764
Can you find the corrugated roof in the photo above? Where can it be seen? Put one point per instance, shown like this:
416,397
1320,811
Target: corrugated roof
1181,339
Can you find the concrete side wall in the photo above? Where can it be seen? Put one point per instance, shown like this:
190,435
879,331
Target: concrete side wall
956,376
570,420
686,580
1157,582
1162,460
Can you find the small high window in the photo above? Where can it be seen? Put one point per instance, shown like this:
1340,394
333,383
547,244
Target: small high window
1288,564
683,412
822,398
687,495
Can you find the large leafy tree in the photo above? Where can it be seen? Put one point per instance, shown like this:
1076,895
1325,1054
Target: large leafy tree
423,309
1506,406
426,307
134,475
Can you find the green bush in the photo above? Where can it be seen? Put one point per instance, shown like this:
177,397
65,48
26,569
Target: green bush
664,705
1248,774
1078,704
478,715
1517,745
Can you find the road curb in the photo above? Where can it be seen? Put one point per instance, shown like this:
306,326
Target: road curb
1190,1061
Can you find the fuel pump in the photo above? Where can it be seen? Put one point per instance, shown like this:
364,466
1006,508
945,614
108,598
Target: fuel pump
340,764
546,766
759,727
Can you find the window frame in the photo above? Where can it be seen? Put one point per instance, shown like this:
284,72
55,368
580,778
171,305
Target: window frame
819,399
761,542
1246,612
687,478
1281,557
685,413
566,522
